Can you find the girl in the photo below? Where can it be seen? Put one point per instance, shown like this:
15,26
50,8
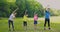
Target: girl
35,20
11,19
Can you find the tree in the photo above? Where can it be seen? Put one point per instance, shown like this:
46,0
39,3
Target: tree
31,6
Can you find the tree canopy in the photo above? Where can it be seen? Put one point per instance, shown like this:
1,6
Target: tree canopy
8,6
32,6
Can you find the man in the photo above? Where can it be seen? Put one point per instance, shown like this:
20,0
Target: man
47,18
11,19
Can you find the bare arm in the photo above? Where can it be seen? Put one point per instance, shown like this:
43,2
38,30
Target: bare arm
15,10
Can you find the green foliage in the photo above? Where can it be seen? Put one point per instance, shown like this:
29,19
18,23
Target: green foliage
32,6
5,8
54,12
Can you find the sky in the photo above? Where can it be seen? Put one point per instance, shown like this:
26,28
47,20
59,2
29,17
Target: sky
52,3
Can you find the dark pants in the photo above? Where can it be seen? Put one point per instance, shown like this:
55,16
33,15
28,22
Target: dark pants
10,22
24,23
35,22
47,20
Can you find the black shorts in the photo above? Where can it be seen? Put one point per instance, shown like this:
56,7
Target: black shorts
24,23
35,22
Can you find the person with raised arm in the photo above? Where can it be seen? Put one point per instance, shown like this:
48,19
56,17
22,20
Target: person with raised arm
11,19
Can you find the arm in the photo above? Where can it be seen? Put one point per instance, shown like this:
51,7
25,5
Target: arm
15,10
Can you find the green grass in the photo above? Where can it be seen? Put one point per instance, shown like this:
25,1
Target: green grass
18,24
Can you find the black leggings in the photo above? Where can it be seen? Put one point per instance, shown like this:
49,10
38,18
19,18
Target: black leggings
11,22
47,20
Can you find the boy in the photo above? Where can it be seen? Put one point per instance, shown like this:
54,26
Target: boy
47,18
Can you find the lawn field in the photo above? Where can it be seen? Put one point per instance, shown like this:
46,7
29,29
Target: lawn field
18,25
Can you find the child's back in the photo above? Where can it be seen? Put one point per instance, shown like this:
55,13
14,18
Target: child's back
25,18
35,17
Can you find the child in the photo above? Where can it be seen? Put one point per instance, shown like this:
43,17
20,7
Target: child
47,18
25,18
35,20
11,19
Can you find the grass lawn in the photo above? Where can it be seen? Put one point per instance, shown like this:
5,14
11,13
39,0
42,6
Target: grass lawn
18,24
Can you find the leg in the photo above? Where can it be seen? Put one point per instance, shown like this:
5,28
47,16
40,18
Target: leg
49,23
25,25
9,24
12,25
45,24
35,25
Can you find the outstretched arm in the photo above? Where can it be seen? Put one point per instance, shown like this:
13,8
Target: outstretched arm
15,10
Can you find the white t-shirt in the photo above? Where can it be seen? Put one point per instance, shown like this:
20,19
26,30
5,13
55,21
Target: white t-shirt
11,17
